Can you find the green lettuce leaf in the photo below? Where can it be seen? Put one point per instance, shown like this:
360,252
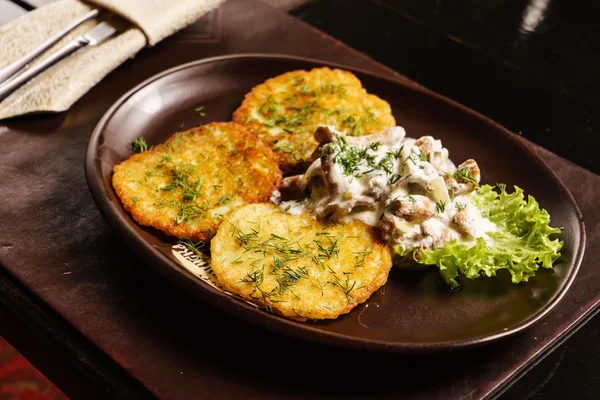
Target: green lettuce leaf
521,245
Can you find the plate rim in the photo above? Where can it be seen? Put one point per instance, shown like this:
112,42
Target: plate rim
180,277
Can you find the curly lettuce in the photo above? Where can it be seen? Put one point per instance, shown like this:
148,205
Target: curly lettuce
521,244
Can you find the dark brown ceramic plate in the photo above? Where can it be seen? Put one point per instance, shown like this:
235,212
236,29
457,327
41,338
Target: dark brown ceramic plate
416,312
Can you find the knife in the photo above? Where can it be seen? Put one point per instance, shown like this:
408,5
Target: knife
98,34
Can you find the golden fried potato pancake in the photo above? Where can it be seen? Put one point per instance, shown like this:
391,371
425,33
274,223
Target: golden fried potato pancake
186,186
286,110
296,266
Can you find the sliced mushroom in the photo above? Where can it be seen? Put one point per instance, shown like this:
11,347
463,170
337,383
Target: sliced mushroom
436,154
473,169
391,136
426,144
293,182
465,179
412,207
463,223
376,187
437,231
345,207
397,230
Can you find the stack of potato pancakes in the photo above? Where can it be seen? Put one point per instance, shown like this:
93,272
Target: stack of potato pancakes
213,184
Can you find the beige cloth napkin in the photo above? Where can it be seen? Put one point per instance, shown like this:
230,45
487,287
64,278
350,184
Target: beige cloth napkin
60,86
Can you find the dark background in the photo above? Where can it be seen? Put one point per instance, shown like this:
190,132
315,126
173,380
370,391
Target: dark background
532,66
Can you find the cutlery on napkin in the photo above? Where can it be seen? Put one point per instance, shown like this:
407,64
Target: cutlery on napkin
62,84
20,64
97,35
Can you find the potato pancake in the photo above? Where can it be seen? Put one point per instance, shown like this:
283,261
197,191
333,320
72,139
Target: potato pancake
186,186
296,266
286,110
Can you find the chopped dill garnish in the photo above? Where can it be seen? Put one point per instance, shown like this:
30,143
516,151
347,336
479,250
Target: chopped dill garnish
327,250
189,211
181,175
290,277
154,172
463,175
224,200
285,147
375,146
361,160
200,111
413,157
345,287
189,197
255,277
269,106
139,145
360,257
440,207
196,248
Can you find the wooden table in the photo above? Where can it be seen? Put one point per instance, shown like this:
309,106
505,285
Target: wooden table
100,324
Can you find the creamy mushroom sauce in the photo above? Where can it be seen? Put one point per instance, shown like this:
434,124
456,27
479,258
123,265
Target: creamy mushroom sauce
406,187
